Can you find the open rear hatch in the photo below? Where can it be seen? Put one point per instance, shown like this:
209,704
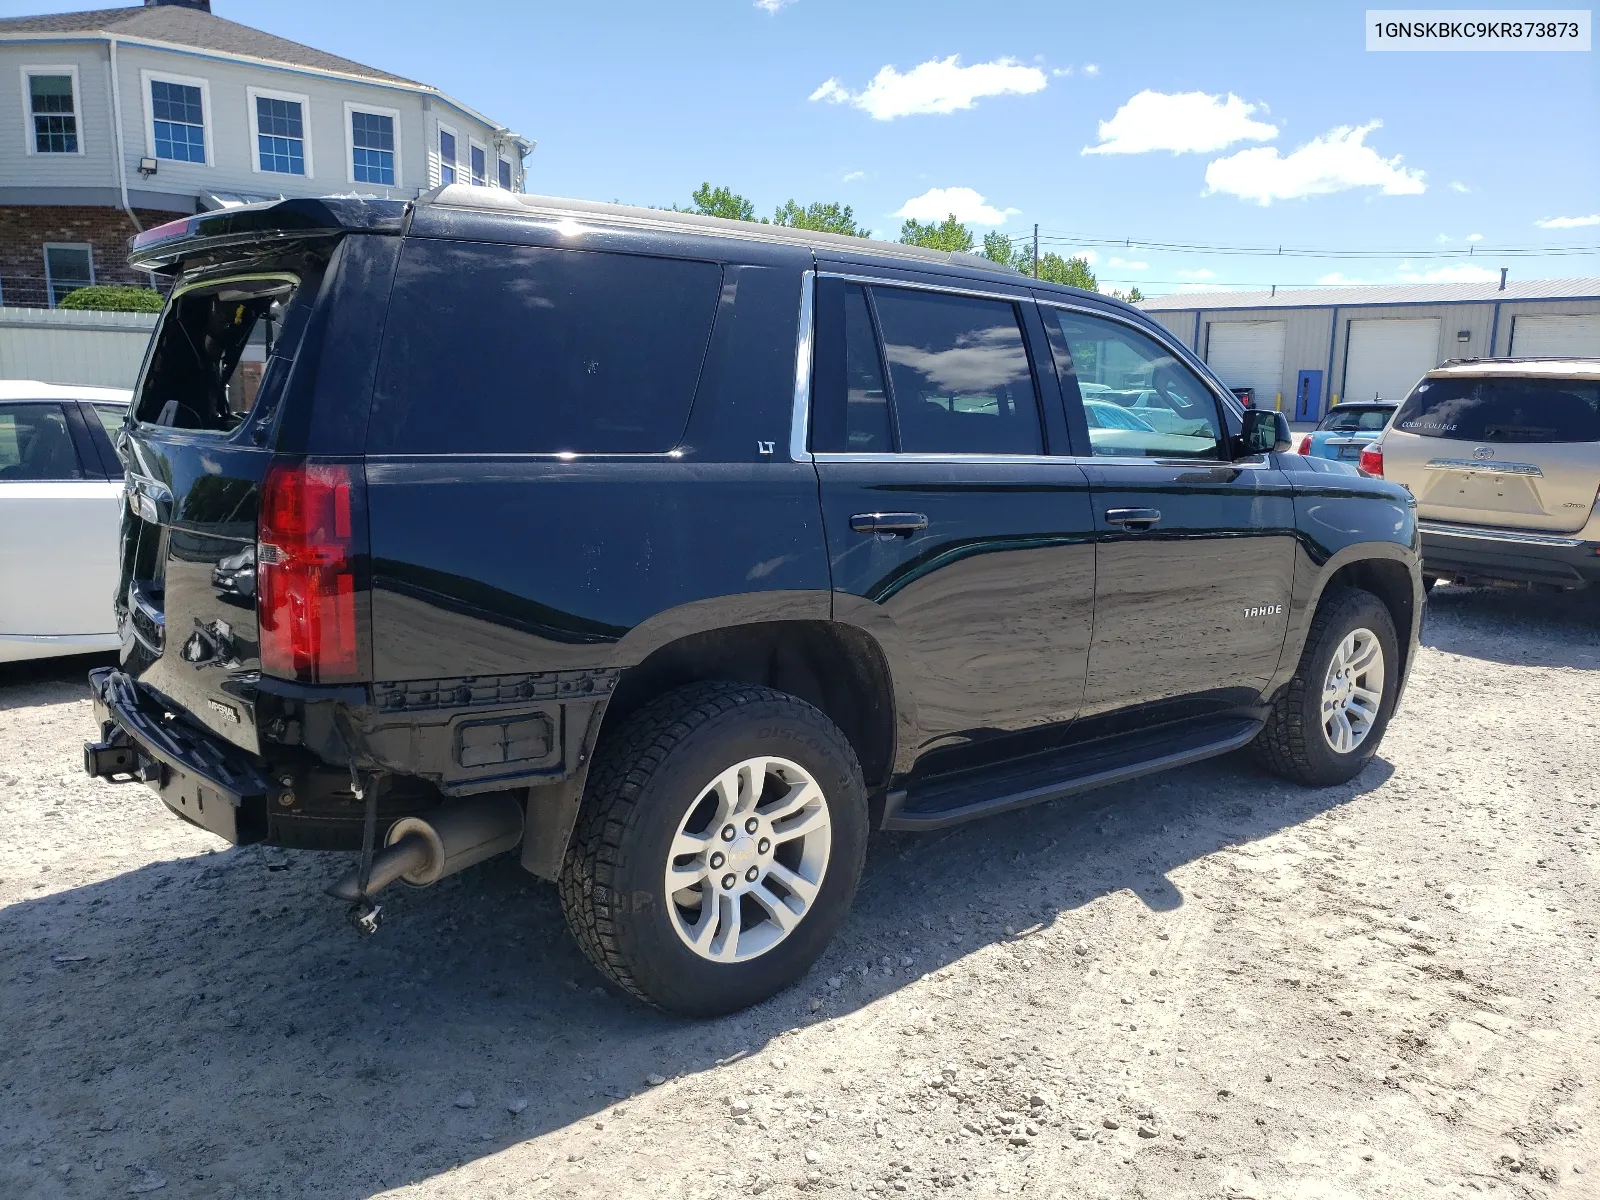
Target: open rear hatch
1506,450
221,524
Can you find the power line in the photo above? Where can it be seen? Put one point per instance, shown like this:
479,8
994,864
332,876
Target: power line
1475,250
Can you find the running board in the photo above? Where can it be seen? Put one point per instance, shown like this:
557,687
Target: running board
949,800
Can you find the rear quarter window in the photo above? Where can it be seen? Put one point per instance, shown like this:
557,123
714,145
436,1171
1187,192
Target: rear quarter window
535,350
1501,409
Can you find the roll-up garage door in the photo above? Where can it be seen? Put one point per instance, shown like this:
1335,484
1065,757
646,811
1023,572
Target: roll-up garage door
1385,358
1555,336
1248,354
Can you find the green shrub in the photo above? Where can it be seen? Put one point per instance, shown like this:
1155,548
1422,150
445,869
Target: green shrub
114,299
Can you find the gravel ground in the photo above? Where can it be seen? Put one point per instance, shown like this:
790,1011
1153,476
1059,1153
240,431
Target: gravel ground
1202,984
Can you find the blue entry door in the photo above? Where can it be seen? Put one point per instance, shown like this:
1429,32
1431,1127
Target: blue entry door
1307,395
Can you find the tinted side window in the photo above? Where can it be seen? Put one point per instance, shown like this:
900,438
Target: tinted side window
1503,410
35,444
959,372
1138,399
520,349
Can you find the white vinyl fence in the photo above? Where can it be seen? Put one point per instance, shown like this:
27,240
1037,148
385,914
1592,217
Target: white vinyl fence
59,345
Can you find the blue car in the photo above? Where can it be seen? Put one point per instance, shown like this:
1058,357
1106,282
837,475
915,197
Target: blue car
1346,429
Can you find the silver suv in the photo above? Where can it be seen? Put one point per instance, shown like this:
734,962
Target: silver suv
1503,457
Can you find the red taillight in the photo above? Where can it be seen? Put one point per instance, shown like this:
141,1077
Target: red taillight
1372,459
310,536
1305,445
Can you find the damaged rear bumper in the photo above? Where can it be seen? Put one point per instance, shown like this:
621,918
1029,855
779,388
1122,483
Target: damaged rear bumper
201,778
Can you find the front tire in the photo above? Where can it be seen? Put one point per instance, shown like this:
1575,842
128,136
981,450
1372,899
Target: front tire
1327,723
722,835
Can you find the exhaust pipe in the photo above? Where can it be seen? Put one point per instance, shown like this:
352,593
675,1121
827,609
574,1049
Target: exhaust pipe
423,850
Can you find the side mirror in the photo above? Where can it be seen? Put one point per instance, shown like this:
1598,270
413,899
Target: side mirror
1264,430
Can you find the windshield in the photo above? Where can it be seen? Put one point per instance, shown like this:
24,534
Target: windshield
1350,420
1504,409
211,352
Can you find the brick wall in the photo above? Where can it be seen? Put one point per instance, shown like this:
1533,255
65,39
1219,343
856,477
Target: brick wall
24,230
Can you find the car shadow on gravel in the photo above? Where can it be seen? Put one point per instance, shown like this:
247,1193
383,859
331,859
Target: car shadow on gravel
213,1022
1515,626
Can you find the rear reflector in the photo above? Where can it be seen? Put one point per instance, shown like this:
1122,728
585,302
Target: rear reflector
1305,445
310,543
1372,459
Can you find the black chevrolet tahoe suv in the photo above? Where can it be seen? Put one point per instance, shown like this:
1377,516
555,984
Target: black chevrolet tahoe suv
673,554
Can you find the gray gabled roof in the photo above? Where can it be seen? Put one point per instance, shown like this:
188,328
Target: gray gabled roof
1355,296
181,26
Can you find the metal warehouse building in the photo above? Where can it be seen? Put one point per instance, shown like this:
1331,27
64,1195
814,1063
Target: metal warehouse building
1307,350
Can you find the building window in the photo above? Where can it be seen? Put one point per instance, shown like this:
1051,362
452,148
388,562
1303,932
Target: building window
372,152
178,121
280,135
447,155
505,174
66,269
53,110
480,165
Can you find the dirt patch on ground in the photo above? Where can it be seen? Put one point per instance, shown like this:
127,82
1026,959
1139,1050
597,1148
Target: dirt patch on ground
1207,983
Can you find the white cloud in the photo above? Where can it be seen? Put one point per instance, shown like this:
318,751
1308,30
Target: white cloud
1183,122
855,175
1335,162
1060,72
1199,273
1457,186
1129,264
1090,70
940,85
1444,238
1568,222
1474,237
1462,274
936,204
772,6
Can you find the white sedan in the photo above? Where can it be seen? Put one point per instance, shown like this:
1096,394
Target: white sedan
60,517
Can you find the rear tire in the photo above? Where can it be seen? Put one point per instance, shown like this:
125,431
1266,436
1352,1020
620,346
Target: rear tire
1351,653
650,850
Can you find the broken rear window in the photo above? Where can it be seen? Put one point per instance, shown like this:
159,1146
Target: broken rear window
212,349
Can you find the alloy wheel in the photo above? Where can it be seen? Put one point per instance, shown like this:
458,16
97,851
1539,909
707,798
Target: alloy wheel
1352,692
748,859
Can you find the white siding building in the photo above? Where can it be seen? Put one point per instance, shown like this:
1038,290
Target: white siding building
115,119
1306,350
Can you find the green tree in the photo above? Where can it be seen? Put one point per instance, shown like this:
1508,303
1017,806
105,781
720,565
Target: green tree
1133,295
1074,272
109,298
949,234
720,202
997,247
824,218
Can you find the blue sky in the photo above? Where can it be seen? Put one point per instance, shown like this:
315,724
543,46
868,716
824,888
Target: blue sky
640,102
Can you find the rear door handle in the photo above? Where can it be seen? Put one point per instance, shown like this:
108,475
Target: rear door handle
893,522
1133,518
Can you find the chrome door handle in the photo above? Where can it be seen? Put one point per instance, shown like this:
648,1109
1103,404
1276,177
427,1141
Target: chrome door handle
1133,518
892,523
